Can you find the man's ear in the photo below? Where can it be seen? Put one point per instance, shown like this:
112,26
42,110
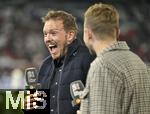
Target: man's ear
90,34
70,37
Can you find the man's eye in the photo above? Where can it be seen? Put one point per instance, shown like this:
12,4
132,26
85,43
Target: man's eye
53,33
45,34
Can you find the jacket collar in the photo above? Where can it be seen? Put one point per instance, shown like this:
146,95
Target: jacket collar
72,50
120,45
73,47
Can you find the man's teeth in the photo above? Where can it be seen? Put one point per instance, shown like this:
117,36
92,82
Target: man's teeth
51,45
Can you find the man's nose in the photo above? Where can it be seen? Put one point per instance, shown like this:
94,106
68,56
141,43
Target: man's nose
48,37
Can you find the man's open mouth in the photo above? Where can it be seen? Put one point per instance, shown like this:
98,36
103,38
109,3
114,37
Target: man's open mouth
52,47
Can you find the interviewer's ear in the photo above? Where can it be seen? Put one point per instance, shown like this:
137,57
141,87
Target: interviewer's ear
87,35
90,34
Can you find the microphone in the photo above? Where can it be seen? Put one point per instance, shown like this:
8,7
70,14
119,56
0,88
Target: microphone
32,78
39,97
75,89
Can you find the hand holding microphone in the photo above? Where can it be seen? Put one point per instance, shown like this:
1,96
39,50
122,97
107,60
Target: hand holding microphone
76,88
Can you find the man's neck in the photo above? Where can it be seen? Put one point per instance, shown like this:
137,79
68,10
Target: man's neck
58,62
100,45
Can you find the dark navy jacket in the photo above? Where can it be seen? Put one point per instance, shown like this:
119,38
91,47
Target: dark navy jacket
75,67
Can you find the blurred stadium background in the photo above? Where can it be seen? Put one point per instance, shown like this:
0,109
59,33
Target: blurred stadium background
21,38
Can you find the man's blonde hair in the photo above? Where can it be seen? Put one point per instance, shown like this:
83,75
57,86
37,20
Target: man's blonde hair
69,20
103,19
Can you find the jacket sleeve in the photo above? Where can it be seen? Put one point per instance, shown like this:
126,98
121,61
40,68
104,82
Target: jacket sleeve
86,61
105,90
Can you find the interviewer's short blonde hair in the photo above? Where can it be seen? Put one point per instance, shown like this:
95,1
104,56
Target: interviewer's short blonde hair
103,19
